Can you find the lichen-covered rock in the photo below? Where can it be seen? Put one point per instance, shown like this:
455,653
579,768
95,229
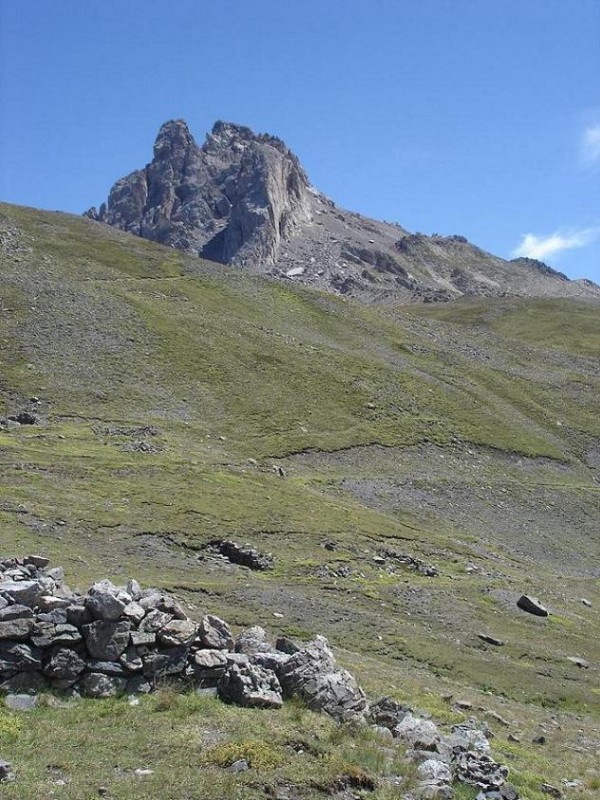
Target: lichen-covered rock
19,657
171,661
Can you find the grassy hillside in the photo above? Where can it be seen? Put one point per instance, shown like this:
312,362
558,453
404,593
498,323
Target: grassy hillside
465,435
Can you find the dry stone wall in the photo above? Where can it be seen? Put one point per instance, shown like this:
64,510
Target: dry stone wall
115,640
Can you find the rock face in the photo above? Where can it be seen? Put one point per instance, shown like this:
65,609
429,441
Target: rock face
235,200
243,199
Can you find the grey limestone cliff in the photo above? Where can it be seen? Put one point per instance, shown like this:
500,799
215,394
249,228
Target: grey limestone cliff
234,200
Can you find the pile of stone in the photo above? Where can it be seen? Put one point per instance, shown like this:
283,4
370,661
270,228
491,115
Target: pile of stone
122,639
115,640
461,756
243,554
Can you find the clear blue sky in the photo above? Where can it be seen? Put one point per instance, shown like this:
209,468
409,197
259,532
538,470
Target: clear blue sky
478,117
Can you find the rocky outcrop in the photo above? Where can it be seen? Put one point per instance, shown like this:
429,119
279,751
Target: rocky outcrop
236,199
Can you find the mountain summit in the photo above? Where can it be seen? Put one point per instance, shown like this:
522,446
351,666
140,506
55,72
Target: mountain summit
244,199
236,200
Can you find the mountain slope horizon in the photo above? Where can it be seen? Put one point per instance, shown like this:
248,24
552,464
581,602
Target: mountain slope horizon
244,199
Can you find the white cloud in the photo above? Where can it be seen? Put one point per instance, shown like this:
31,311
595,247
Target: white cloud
590,146
541,247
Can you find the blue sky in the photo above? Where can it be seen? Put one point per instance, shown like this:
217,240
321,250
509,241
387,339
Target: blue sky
477,117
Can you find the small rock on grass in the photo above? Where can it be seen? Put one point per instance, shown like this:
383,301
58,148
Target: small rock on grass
532,605
21,702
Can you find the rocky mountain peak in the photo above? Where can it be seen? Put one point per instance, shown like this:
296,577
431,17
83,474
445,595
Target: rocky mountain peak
173,137
237,199
243,198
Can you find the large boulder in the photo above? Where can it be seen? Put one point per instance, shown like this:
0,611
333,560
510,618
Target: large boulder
313,675
252,686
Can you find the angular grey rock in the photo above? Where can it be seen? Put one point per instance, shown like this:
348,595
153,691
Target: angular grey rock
149,599
131,660
18,630
18,657
251,686
28,682
41,562
57,617
253,640
312,675
241,765
47,634
214,633
134,612
154,621
170,606
478,769
15,611
382,732
245,555
142,639
272,661
138,685
418,733
434,772
49,603
210,659
133,589
78,615
25,593
64,664
485,637
104,605
106,639
171,661
115,668
97,684
177,632
387,712
532,605
285,645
